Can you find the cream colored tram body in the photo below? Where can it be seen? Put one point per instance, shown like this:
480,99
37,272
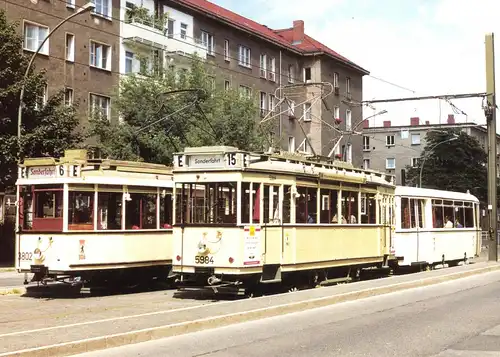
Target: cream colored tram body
435,227
94,220
244,219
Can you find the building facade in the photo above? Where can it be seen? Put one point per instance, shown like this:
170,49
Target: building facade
255,60
81,57
393,148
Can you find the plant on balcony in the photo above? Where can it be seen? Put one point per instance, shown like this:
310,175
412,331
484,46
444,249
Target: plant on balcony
141,15
338,156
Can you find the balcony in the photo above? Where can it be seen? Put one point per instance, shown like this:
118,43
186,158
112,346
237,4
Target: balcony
148,34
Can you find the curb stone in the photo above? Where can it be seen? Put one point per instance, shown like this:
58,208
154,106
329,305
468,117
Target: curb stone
148,334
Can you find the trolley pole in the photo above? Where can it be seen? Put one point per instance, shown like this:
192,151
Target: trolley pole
490,113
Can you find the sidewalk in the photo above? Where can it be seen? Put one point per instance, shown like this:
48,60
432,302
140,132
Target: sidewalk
64,327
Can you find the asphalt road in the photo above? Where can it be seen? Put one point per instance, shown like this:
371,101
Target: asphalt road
11,278
458,318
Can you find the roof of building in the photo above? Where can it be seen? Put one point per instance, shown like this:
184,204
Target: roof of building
424,127
279,37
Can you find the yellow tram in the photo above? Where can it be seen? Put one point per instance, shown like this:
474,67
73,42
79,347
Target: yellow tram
243,219
93,221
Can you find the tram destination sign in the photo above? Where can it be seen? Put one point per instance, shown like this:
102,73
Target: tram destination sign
46,172
209,161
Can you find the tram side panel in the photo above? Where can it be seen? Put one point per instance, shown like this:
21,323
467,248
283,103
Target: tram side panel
63,253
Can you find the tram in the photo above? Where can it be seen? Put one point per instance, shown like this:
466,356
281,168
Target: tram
96,221
244,219
435,228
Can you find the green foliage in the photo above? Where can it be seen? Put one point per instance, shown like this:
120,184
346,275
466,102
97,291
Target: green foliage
155,124
47,131
457,165
141,15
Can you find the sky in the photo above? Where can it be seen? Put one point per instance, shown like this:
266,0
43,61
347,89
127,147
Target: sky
422,47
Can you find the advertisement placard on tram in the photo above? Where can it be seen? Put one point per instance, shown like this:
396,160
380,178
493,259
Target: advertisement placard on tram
251,245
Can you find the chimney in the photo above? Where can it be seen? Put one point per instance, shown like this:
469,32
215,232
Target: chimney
387,123
427,122
298,32
366,124
414,121
451,119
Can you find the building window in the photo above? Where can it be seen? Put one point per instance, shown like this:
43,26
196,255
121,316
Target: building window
336,112
129,62
348,124
415,139
70,47
291,143
34,36
336,80
70,3
170,27
68,96
366,143
291,108
272,103
263,98
227,85
349,153
415,162
390,163
226,51
389,140
184,28
263,66
366,164
348,85
244,56
100,55
102,7
100,105
245,91
291,73
307,112
41,98
272,70
208,41
307,74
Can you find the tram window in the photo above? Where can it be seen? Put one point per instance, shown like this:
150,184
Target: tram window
166,210
140,211
437,216
301,205
312,205
148,211
211,203
325,214
287,191
417,213
468,217
449,216
81,210
267,189
256,195
48,204
405,213
109,210
370,210
271,204
350,206
245,202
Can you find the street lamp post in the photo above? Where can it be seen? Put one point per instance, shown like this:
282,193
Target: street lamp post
85,8
425,157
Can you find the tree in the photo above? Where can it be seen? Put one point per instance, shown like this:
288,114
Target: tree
194,112
46,129
457,165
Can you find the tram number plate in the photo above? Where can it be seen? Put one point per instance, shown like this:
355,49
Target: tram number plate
203,259
25,255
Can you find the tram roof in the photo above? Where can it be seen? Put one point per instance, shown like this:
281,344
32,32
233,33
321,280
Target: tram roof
79,157
432,193
216,158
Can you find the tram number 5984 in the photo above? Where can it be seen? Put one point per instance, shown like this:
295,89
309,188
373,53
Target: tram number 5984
203,259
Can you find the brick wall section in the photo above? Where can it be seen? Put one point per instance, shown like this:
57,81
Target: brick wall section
60,73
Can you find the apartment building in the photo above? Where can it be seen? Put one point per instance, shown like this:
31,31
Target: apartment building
81,56
393,148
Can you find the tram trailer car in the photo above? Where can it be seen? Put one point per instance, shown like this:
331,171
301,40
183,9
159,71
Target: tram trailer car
93,221
436,228
244,219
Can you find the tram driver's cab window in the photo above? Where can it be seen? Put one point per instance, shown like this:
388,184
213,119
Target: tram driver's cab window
43,208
